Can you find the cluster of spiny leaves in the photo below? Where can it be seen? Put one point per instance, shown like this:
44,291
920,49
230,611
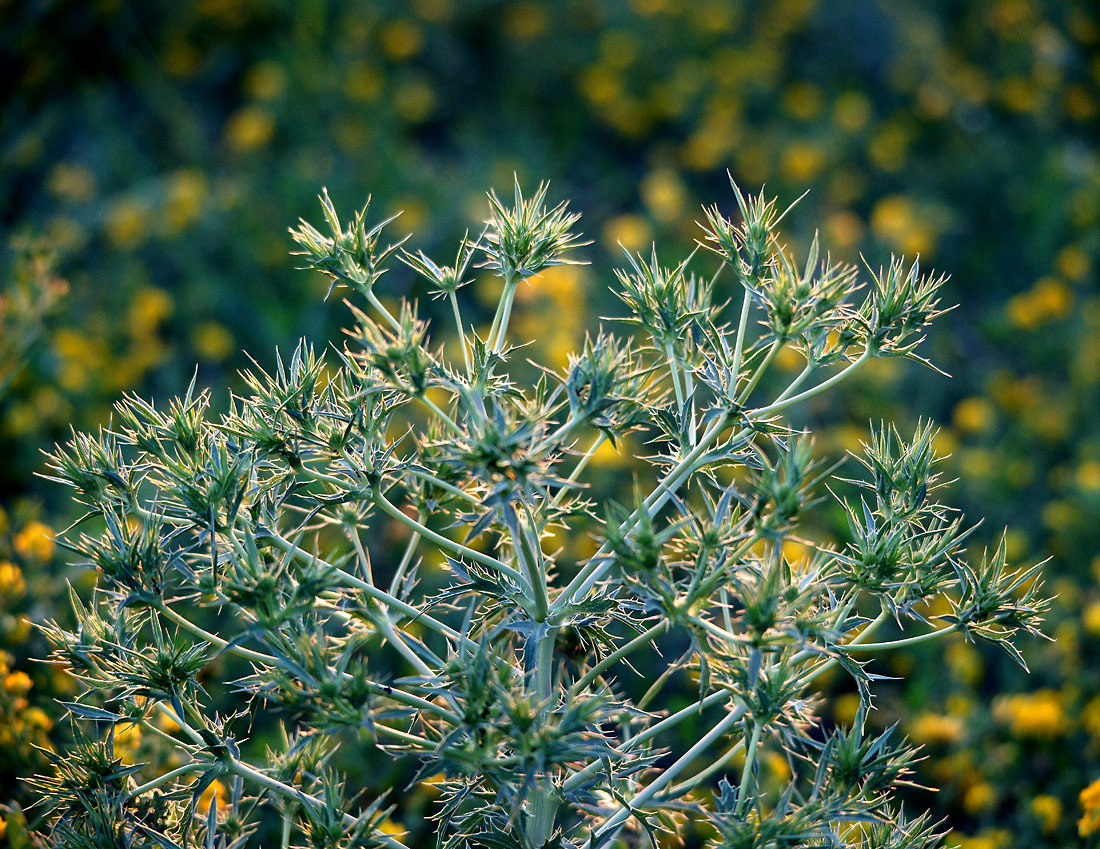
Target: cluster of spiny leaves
275,522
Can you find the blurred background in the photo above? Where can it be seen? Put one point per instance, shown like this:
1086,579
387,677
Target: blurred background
154,154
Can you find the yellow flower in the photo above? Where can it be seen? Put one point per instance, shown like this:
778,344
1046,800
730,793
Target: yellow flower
844,229
1073,262
1089,823
187,189
1090,618
1088,475
525,21
414,100
803,100
895,220
1048,810
212,341
37,718
215,791
18,683
35,542
936,728
1049,299
802,161
402,39
71,181
664,193
889,147
362,82
845,708
631,231
965,662
148,309
127,734
979,798
12,584
852,111
265,80
249,128
1032,715
127,222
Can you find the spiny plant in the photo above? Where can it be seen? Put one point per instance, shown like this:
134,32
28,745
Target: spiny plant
266,534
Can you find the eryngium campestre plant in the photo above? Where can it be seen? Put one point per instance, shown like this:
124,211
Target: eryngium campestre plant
259,534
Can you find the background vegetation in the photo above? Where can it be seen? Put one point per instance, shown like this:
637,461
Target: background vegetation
160,150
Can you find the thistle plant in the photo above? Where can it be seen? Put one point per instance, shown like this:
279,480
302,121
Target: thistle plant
532,686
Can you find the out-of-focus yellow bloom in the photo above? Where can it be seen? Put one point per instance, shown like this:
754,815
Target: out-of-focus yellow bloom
802,100
845,708
37,718
895,220
265,80
607,456
802,161
889,147
34,541
149,308
998,838
187,190
127,733
127,223
1090,618
402,39
980,798
1088,475
414,100
936,728
432,10
965,662
778,766
1032,715
363,83
852,111
1048,300
843,230
12,585
71,181
1018,94
216,792
1073,262
1080,103
1048,810
249,128
664,194
212,341
631,231
973,415
1089,823
18,683
525,21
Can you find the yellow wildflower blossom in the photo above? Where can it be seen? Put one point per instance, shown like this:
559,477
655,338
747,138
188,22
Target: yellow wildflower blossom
936,728
631,231
12,584
1048,810
402,39
1089,823
18,683
249,128
1032,715
34,542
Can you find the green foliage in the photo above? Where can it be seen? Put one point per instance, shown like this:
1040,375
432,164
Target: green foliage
512,690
